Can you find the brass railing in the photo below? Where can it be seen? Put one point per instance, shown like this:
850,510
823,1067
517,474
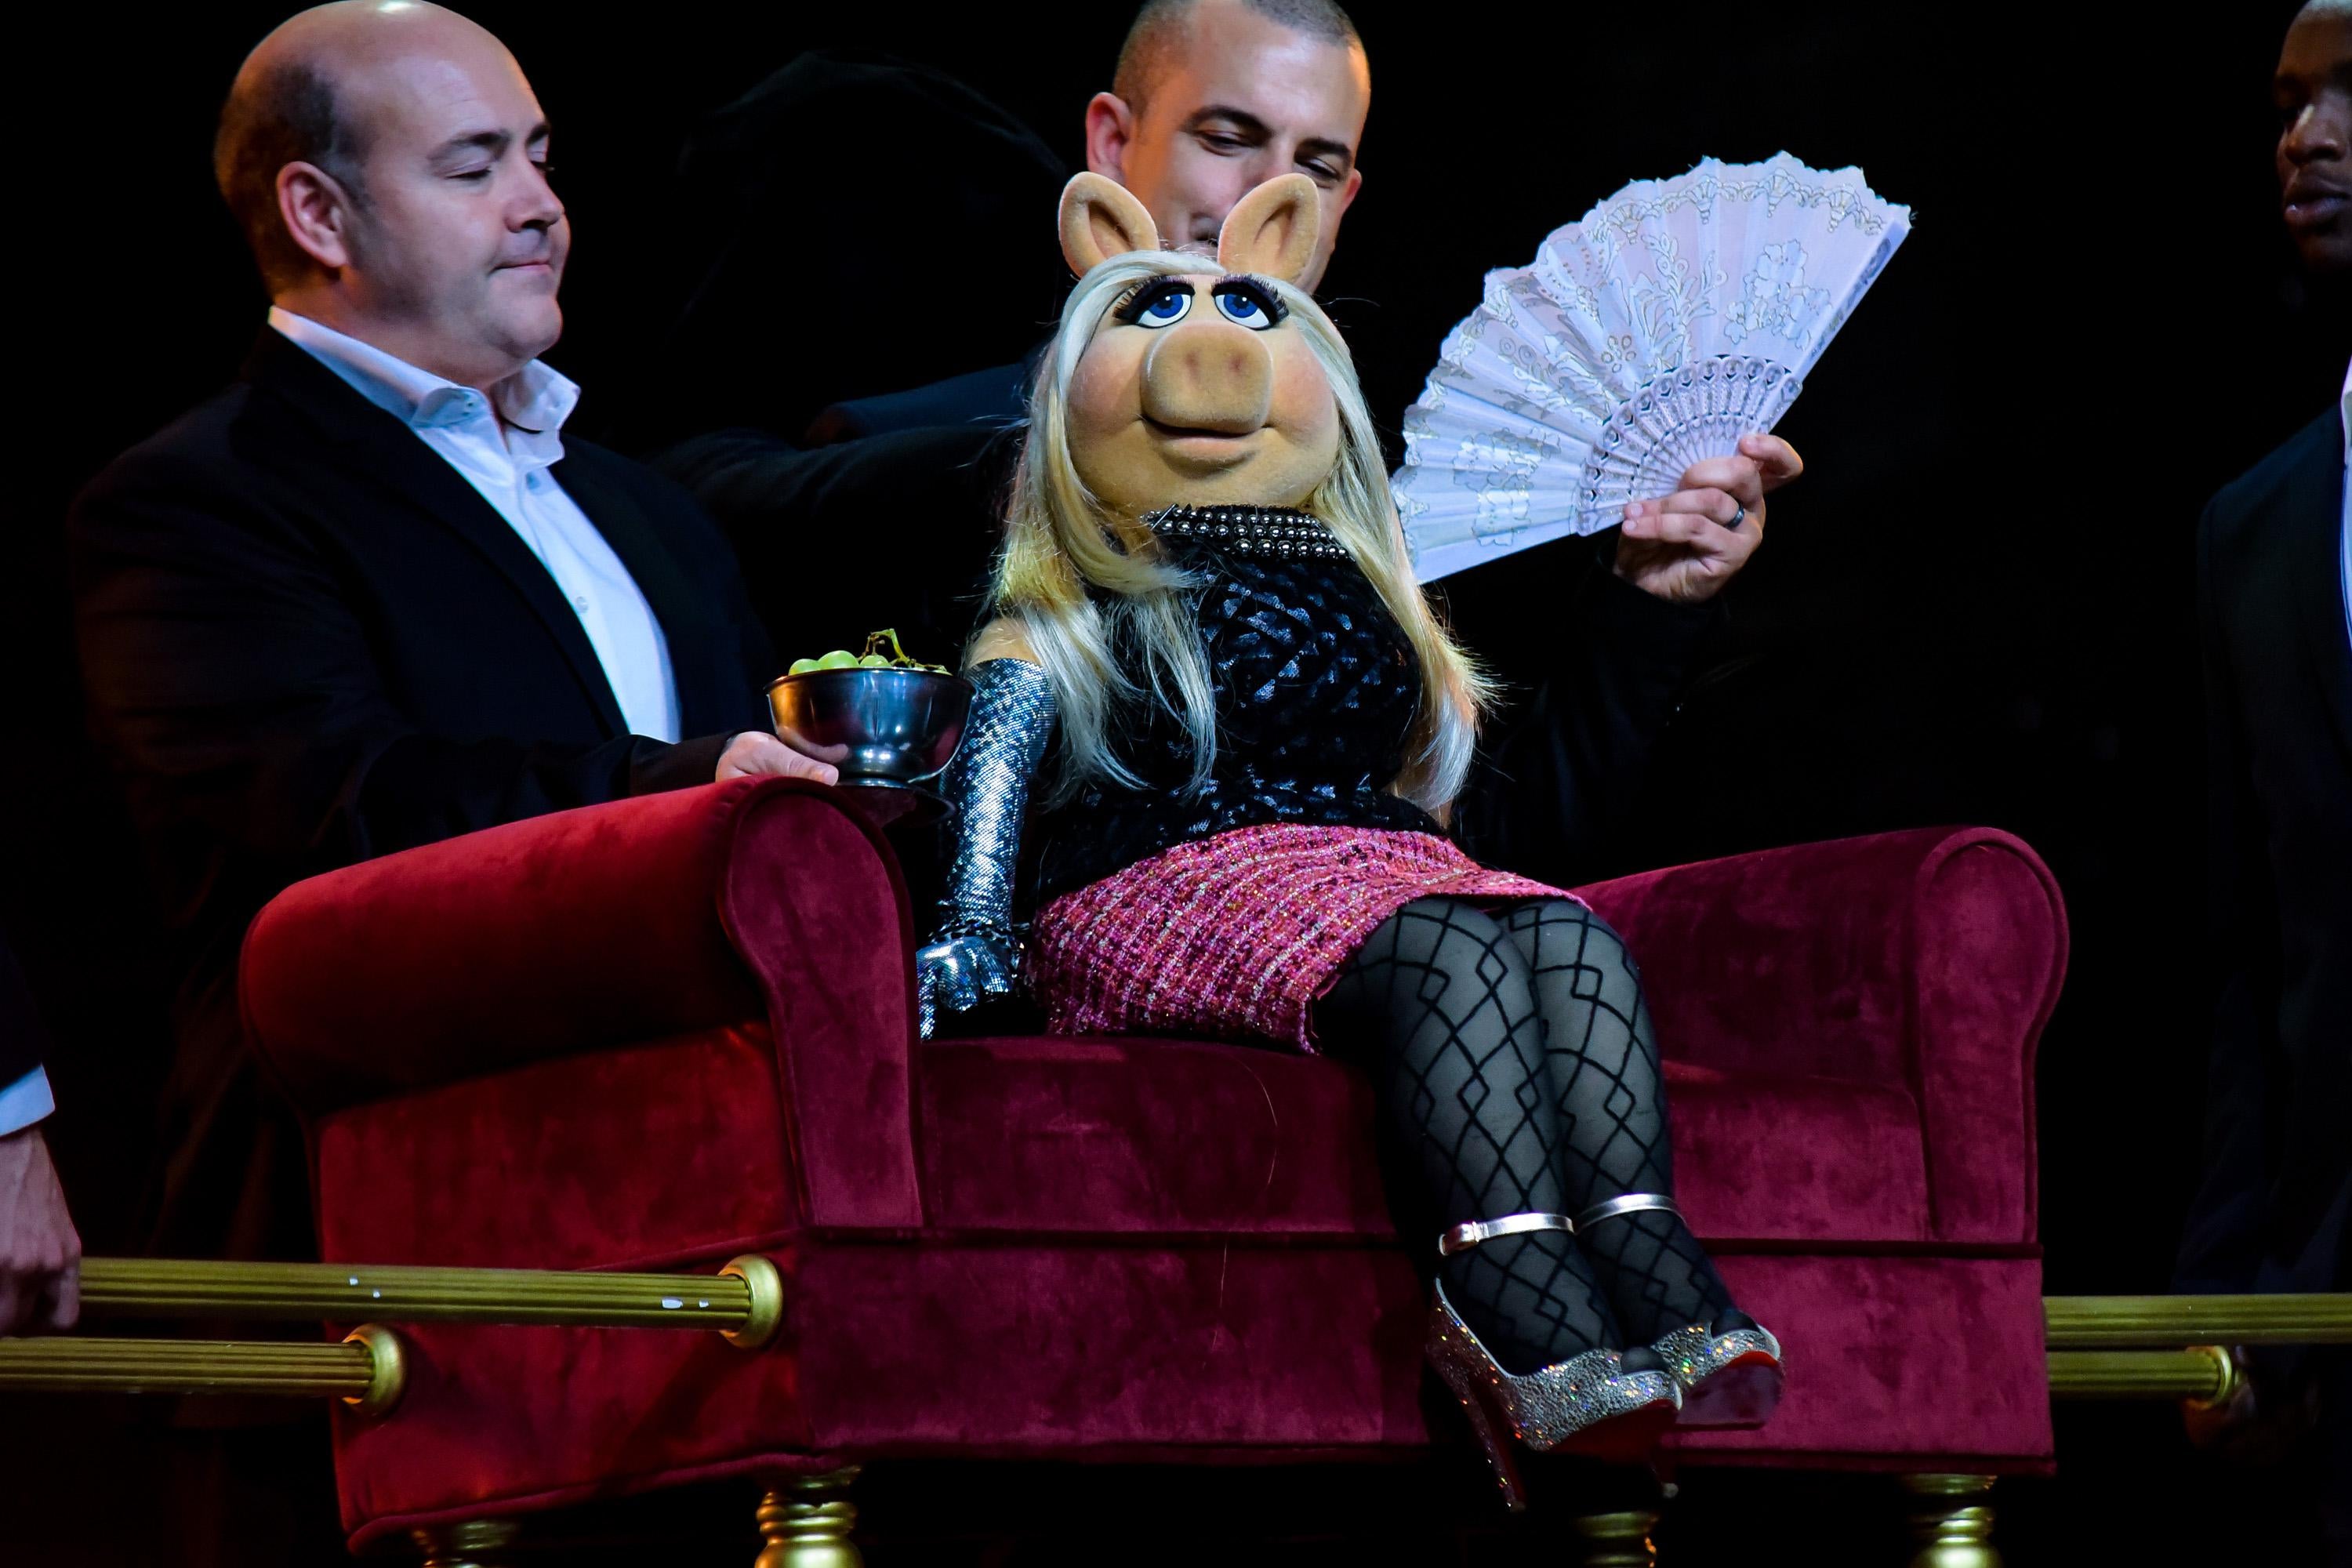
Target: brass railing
2205,1373
2119,1323
2113,1347
2100,1347
366,1370
742,1301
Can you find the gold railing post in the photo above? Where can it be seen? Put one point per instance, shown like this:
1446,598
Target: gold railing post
474,1543
365,1370
764,1303
387,1369
1619,1540
806,1522
2166,1322
2205,1373
1952,1522
738,1300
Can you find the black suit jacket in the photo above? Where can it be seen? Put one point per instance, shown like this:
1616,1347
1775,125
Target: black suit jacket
1563,770
307,640
2271,1214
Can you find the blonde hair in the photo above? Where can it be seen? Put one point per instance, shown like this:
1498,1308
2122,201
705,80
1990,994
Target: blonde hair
1060,540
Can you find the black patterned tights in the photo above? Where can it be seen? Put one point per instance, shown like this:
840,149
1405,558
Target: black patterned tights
1517,1072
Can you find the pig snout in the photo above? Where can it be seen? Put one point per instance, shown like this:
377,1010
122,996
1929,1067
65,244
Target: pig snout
1209,375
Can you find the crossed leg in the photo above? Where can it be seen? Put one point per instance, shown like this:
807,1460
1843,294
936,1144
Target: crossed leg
1441,1006
1518,1072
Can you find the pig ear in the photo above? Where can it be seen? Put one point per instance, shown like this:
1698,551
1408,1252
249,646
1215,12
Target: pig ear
1101,218
1272,231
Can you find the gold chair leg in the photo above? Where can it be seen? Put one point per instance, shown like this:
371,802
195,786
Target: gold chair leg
1619,1540
1951,1519
476,1543
806,1522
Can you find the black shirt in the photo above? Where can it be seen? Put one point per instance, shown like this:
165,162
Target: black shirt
1315,687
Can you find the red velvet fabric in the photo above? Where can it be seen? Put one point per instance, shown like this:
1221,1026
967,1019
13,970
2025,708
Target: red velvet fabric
1904,1362
1201,1353
637,1157
1927,960
665,1032
815,906
553,937
1082,1136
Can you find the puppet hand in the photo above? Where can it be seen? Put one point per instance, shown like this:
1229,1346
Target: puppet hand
964,962
1684,547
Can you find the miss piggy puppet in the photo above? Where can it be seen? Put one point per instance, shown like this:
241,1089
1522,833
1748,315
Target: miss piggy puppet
1211,690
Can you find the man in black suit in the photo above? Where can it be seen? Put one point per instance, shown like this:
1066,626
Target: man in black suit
370,597
2275,575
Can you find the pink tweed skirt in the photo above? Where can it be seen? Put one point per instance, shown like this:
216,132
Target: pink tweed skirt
1235,936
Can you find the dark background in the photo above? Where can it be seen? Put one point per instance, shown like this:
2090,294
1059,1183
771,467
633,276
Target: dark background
1975,608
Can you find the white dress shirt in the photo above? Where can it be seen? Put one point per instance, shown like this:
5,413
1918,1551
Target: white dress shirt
2343,409
506,459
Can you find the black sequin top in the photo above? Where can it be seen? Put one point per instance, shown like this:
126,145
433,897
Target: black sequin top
1316,689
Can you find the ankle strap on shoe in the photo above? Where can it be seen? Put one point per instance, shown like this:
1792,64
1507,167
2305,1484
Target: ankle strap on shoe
1470,1233
1630,1202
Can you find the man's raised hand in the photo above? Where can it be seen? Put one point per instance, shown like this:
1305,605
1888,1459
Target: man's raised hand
1684,547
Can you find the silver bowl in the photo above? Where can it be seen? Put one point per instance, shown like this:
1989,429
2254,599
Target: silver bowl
885,728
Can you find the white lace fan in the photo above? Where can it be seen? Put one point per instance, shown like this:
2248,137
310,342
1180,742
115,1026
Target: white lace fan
1673,319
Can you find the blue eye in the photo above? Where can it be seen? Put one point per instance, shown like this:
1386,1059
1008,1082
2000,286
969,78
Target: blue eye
1245,304
1162,307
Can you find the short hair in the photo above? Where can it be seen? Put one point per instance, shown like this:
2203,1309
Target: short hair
1158,31
289,113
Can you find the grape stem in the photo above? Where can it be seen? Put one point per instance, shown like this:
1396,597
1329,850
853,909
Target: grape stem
889,634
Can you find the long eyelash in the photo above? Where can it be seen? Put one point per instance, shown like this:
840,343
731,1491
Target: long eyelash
1257,289
1130,307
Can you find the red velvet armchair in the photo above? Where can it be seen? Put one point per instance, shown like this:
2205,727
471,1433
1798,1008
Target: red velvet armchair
660,1034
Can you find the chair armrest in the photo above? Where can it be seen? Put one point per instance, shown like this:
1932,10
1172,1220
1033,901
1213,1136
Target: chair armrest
814,901
1927,960
606,926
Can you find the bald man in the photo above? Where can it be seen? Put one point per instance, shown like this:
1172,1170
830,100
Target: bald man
372,596
1210,99
1213,98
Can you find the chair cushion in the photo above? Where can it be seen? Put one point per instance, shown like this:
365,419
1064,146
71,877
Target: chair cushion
637,1158
1045,1135
1796,1157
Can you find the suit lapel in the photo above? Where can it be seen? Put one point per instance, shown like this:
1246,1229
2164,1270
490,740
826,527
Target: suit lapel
636,539
2313,500
394,460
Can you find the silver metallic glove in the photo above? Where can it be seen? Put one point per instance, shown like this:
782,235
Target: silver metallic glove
976,951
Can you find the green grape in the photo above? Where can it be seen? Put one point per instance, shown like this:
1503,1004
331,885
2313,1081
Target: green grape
801,667
839,658
875,661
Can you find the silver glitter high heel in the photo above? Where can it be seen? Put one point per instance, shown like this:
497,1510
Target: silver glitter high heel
1730,1369
1592,1403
